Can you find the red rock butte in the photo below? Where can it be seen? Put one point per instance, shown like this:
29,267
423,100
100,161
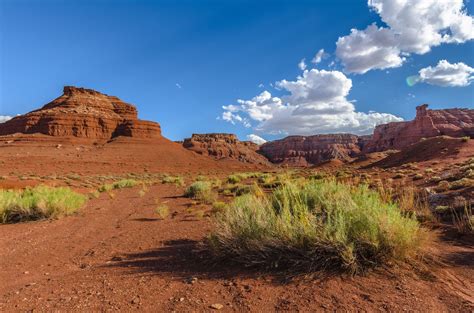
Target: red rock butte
83,113
427,123
225,146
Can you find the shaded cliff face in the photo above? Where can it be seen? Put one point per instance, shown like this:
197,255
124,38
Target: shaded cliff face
311,150
427,123
225,146
83,113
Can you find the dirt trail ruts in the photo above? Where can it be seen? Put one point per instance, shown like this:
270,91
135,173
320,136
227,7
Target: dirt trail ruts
117,255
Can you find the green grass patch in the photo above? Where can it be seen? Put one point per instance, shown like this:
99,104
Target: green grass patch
124,183
202,191
315,225
38,203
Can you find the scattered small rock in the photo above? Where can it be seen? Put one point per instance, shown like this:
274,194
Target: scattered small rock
216,306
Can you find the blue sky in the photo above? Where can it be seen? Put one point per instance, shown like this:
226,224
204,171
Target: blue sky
217,52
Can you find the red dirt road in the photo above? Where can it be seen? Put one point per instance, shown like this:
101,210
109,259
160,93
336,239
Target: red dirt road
117,255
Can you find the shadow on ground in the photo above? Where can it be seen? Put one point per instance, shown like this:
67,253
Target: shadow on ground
186,258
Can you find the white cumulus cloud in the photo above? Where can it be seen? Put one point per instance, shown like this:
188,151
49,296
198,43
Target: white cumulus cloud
316,102
318,57
4,118
256,139
302,65
446,74
414,26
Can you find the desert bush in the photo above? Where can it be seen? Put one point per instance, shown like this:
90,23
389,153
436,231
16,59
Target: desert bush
177,180
462,183
124,183
443,185
312,226
218,206
201,190
429,171
38,203
317,176
233,179
162,211
464,220
417,176
465,138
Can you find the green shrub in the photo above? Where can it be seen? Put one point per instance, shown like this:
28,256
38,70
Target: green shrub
462,183
200,190
312,226
124,183
218,206
233,179
37,203
418,176
465,138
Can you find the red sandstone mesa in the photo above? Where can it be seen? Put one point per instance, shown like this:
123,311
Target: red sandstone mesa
310,150
427,123
83,113
225,146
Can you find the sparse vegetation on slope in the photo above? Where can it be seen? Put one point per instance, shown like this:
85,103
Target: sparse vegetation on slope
315,225
37,203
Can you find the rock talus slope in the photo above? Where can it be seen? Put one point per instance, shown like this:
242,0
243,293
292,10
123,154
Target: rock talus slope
83,113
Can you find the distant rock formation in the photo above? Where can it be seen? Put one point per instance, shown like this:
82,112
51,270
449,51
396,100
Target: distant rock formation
83,113
311,150
225,146
427,123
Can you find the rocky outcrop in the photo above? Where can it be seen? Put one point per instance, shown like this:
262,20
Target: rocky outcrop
83,113
311,150
225,146
427,123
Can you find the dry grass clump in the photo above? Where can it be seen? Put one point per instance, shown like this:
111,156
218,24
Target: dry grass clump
177,180
124,183
162,211
202,191
462,183
38,203
315,225
443,185
464,220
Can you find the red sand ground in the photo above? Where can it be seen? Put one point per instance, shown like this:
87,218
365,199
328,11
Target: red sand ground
117,255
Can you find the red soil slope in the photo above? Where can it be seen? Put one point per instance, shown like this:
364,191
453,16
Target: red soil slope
443,148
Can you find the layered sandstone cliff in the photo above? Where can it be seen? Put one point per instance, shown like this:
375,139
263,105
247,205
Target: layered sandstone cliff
311,150
225,146
83,113
427,123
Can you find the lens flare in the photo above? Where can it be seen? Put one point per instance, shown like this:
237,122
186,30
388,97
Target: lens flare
412,80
